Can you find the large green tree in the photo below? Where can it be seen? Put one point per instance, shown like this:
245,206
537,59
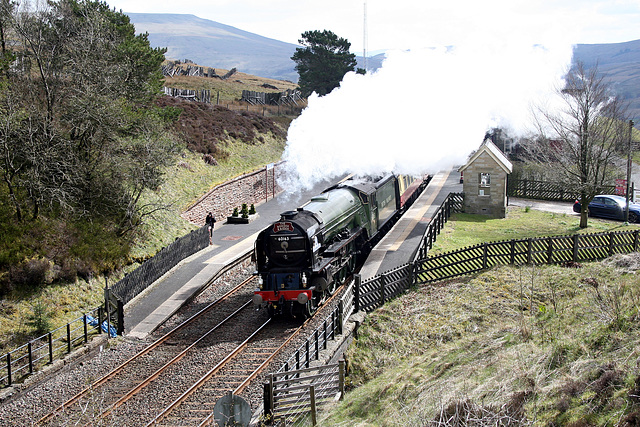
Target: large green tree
77,113
322,62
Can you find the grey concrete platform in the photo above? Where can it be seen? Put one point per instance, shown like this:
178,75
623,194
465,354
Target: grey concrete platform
401,243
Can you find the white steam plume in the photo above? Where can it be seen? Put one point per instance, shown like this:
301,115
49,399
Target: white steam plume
423,111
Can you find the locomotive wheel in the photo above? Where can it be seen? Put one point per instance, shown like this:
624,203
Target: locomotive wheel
352,265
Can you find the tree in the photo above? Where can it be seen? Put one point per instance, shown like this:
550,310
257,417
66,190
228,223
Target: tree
584,139
76,128
322,62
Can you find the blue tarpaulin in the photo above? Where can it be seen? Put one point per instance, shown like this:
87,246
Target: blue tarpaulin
92,321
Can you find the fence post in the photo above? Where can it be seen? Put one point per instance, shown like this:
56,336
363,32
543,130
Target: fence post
68,338
312,398
308,356
8,368
529,241
341,378
267,398
550,250
610,243
50,339
324,332
383,279
30,350
484,256
333,325
512,256
100,319
317,339
635,240
120,330
575,247
356,296
86,334
340,316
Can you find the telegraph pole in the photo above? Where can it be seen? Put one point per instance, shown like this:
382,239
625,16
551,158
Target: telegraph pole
626,210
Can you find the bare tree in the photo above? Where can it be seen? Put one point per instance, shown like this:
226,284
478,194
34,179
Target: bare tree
582,140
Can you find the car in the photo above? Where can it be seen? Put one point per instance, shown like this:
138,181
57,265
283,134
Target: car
610,206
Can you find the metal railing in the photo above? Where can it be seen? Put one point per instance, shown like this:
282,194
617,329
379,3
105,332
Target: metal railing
43,350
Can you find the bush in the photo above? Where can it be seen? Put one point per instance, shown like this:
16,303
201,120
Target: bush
30,273
235,212
40,318
252,209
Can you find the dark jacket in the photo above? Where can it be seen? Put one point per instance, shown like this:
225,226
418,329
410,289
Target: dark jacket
210,220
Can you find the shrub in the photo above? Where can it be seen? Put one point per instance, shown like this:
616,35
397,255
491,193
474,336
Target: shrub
235,212
30,273
40,318
252,209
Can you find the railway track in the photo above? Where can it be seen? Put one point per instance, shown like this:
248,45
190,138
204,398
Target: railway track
233,373
178,379
107,394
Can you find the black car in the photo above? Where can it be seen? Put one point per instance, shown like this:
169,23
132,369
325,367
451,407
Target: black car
612,207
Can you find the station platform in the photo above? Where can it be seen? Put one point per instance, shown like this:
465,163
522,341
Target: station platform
401,243
230,241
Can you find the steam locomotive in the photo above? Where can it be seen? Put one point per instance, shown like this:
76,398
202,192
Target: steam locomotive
305,256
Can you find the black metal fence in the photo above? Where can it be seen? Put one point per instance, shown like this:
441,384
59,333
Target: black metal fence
45,349
30,357
453,203
535,251
152,269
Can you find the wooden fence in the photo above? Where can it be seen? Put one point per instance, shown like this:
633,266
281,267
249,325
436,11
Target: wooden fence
545,190
288,97
544,250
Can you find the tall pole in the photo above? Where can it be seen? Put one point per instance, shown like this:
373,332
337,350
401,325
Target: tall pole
626,210
364,38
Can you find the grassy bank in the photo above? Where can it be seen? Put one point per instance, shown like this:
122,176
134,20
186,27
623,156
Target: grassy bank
22,313
510,346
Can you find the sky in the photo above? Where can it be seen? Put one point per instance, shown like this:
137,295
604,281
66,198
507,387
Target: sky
406,24
453,70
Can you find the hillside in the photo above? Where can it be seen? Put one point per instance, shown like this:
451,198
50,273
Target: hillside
620,63
209,43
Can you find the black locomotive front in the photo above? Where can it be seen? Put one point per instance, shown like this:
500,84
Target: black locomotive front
284,255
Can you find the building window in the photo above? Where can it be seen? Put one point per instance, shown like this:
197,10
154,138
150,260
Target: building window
484,179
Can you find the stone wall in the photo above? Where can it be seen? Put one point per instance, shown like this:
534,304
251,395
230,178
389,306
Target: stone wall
254,187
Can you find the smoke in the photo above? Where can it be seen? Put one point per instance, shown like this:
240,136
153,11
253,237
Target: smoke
423,111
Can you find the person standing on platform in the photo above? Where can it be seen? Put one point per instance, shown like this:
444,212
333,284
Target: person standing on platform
210,221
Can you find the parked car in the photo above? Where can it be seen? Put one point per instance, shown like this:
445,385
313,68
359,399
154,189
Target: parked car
609,206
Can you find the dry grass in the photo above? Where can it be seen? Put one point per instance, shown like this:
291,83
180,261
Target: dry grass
511,346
